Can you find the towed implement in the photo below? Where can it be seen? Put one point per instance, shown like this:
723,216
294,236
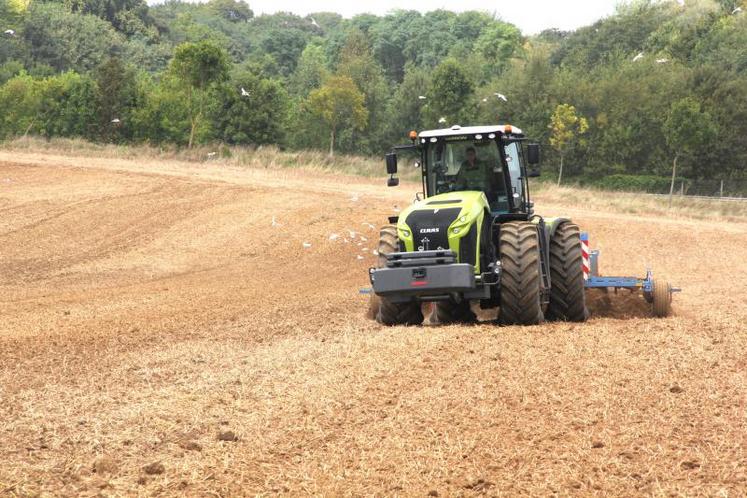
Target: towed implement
473,237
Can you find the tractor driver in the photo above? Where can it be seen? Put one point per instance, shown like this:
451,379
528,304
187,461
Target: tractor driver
473,174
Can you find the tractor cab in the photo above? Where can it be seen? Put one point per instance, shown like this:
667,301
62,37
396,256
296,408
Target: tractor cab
488,159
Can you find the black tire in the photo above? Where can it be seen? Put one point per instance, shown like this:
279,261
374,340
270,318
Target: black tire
662,299
385,311
520,276
446,312
567,293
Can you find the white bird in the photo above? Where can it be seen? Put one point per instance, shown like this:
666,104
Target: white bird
275,223
501,96
333,236
422,97
360,257
638,57
306,245
735,11
314,23
442,120
662,61
116,121
212,155
484,100
10,32
375,253
244,93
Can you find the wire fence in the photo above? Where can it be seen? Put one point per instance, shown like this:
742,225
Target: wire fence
722,189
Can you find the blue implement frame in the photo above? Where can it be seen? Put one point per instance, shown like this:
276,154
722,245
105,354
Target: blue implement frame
595,281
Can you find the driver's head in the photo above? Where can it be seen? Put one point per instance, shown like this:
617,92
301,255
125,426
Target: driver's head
471,154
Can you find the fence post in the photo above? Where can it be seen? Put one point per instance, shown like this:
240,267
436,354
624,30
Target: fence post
682,188
721,191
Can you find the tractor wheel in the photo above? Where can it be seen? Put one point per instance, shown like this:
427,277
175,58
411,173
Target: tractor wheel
662,299
520,275
385,311
567,295
446,312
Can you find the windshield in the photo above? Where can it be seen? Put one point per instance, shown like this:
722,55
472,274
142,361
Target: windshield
467,165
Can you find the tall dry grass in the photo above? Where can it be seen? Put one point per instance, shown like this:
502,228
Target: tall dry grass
637,203
266,157
271,157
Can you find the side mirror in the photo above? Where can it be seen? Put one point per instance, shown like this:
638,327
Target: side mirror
391,163
533,154
533,172
392,181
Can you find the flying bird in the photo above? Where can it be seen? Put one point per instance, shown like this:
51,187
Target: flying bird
10,32
638,57
442,120
244,93
501,96
735,11
314,23
422,97
116,121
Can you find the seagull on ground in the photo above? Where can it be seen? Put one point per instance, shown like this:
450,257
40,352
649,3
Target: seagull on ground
422,97
638,57
306,245
662,61
275,223
501,96
116,121
10,32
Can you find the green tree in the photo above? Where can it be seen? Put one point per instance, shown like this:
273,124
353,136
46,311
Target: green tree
198,66
566,128
687,129
451,95
338,103
65,40
116,99
251,110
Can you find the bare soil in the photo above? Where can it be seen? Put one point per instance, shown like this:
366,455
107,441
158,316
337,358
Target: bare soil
174,328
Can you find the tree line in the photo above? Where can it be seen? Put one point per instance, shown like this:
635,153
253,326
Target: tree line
656,87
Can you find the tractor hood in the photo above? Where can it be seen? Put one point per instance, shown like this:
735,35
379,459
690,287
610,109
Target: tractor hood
439,222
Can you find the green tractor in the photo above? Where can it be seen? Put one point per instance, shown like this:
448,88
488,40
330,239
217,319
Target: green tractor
473,236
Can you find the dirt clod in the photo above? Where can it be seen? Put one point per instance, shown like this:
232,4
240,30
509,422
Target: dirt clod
154,468
227,436
597,444
105,465
676,389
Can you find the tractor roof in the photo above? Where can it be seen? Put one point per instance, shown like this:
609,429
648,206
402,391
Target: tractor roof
470,130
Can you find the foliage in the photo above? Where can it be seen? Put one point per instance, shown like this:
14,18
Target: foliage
162,71
338,103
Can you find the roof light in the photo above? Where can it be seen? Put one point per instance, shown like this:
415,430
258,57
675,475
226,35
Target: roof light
492,135
478,137
508,129
413,135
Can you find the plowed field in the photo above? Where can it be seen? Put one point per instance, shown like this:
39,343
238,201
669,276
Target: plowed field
191,329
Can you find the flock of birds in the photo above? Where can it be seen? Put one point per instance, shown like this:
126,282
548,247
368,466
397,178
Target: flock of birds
351,237
443,119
